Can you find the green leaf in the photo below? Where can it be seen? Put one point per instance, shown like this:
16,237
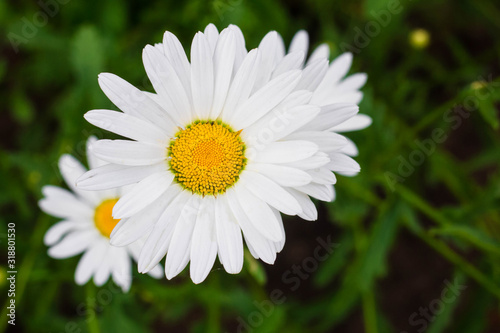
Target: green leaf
488,109
445,317
474,236
374,259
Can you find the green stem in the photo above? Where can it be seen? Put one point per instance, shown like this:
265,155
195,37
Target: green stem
369,312
92,322
214,308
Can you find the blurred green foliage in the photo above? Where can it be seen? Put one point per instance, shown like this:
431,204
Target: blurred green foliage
424,209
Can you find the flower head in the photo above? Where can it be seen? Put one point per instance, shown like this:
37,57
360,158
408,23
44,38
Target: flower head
86,227
229,141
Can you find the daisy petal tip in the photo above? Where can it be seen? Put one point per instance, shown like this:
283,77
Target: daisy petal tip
233,270
196,280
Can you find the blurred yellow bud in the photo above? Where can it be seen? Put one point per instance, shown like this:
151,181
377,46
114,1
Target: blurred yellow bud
420,38
476,85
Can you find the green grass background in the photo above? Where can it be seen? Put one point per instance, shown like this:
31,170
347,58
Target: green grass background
399,241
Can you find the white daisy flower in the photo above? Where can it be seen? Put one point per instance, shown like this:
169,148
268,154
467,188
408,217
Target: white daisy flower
330,86
216,153
86,227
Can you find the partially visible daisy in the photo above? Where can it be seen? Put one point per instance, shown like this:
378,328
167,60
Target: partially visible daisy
86,226
328,82
218,153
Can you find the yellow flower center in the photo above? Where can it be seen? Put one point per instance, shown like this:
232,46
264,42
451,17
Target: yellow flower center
103,218
207,157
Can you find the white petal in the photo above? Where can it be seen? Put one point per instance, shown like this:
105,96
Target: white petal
337,70
283,152
326,141
175,54
126,125
90,261
92,160
280,123
242,84
202,76
296,98
332,115
279,245
144,193
62,203
258,245
270,192
179,249
131,229
167,84
121,270
269,244
241,50
320,52
159,239
350,149
104,270
159,46
212,35
280,47
74,243
313,74
71,169
321,192
309,211
316,161
342,163
116,175
300,42
351,83
297,117
282,175
135,102
269,52
259,214
229,240
223,69
353,97
265,99
358,122
290,62
128,152
58,230
323,176
204,241
157,272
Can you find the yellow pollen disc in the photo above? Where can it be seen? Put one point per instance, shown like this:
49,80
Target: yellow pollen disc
207,157
103,219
